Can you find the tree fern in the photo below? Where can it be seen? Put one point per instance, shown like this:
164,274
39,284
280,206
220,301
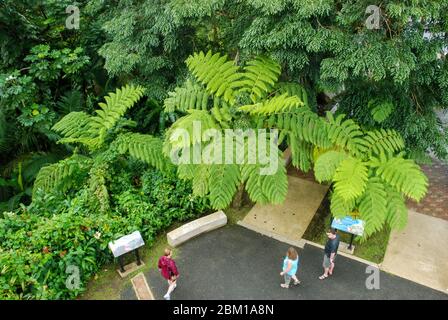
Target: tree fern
201,179
403,174
92,130
216,73
373,206
260,76
326,165
350,178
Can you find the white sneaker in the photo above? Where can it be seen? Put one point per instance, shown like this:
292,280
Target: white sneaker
167,297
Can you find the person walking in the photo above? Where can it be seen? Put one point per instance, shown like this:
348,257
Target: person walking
169,271
290,266
330,251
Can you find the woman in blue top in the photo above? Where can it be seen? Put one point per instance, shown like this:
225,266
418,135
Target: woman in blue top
290,265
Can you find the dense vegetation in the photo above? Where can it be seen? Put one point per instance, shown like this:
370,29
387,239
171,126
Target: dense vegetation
86,116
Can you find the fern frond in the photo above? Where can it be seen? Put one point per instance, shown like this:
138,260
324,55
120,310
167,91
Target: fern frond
75,127
372,206
78,127
115,107
350,178
60,175
145,148
222,114
201,179
303,123
260,77
216,73
301,152
345,133
277,104
383,141
71,101
185,171
187,131
293,89
223,185
190,96
403,174
339,207
265,188
397,212
380,110
326,165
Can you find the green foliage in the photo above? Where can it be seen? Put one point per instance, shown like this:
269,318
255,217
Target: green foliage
350,178
219,75
404,175
227,179
383,142
61,175
143,147
373,206
39,242
191,96
345,133
92,130
262,188
360,163
380,110
260,76
326,165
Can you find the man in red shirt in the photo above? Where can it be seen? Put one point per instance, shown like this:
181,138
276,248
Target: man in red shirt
168,269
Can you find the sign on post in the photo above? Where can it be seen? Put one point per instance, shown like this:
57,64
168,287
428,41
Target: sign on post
349,224
126,244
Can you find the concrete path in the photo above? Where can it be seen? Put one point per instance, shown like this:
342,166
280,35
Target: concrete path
237,263
419,252
290,219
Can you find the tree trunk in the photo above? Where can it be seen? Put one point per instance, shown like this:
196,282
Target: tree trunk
238,198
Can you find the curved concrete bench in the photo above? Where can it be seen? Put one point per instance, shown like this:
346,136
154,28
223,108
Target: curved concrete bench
196,227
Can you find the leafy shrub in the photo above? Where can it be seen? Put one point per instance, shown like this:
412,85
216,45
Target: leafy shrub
39,242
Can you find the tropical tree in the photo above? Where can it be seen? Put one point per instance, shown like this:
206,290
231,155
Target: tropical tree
100,139
390,77
368,168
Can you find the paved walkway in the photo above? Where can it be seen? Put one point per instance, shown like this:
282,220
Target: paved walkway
237,263
419,252
288,221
